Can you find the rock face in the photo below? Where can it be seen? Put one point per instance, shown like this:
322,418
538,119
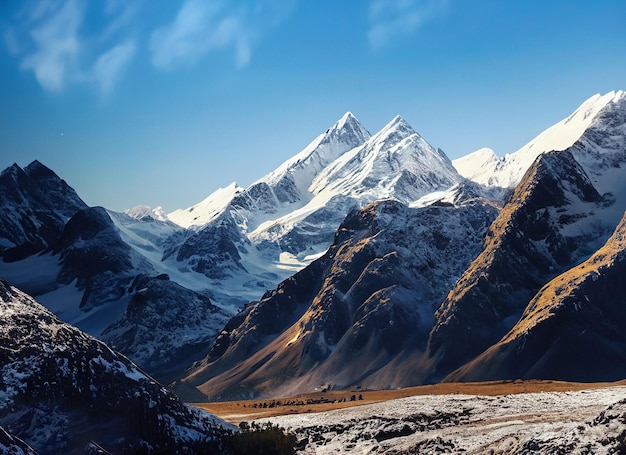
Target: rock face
92,278
553,221
12,445
61,388
165,327
571,330
92,254
161,325
359,315
294,211
35,204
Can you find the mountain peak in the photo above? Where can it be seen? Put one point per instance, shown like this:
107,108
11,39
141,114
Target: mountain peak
39,171
346,118
393,132
206,210
472,166
509,170
36,164
348,129
145,212
399,122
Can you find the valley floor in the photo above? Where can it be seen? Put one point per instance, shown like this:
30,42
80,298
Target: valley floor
496,417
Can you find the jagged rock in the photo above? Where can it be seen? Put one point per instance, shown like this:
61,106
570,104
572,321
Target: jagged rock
360,314
571,330
36,204
61,388
550,224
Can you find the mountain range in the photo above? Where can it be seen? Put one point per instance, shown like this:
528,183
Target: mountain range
63,391
364,260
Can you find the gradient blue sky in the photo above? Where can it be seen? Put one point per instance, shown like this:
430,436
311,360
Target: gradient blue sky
163,102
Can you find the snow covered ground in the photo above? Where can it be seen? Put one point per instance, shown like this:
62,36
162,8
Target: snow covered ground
587,421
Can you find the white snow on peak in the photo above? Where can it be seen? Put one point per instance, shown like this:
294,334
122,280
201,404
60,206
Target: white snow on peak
380,162
394,163
207,210
509,170
140,212
475,164
343,136
298,171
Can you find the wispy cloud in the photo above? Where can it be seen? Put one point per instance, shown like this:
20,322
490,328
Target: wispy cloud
391,20
57,46
110,65
64,43
202,27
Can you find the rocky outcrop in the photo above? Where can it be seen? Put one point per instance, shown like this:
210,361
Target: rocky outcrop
551,223
359,315
35,204
61,388
572,330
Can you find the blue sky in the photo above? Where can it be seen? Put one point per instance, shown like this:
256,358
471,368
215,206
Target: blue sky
163,102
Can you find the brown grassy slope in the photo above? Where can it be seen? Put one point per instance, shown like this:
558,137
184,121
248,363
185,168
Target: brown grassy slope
240,411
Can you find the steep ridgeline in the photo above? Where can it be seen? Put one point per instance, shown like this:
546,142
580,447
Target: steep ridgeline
359,315
554,219
217,244
572,330
61,389
35,205
128,300
12,445
102,276
395,163
251,239
165,327
596,128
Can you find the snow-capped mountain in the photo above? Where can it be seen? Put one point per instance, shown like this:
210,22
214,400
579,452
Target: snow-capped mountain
247,240
571,330
555,219
35,204
360,314
594,114
474,166
142,212
395,163
61,388
217,243
286,185
104,274
380,228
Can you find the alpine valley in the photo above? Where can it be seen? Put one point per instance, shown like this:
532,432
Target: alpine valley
365,260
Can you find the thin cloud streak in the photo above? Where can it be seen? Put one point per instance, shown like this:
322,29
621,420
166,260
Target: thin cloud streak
54,49
66,43
392,20
57,45
202,27
111,64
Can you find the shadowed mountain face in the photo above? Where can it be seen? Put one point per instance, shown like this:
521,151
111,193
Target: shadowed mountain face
61,388
553,221
35,204
360,315
165,327
571,330
11,444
